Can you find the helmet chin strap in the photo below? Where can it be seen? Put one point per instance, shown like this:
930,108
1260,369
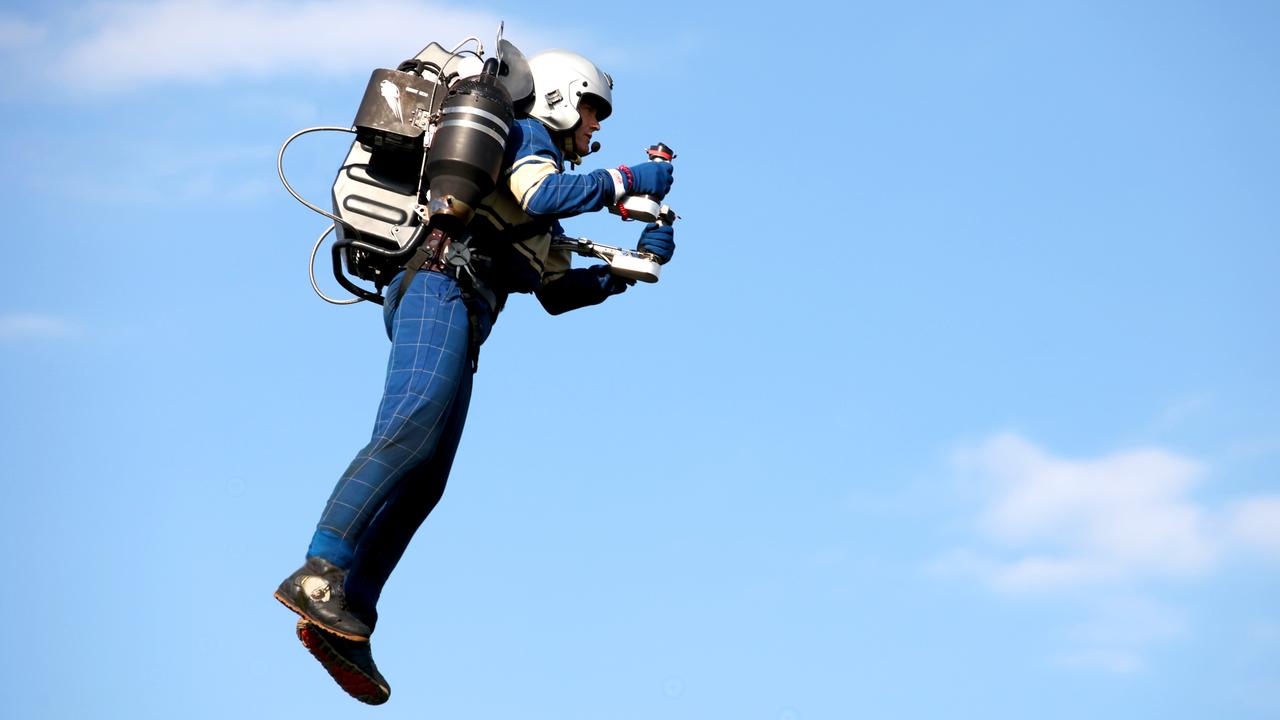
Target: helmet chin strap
569,146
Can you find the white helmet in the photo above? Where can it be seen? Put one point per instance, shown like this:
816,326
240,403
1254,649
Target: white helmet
560,80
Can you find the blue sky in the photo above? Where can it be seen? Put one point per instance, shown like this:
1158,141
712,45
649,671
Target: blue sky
959,398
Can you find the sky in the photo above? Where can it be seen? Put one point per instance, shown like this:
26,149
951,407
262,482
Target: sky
959,398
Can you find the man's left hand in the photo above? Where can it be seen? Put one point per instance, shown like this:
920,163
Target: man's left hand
659,241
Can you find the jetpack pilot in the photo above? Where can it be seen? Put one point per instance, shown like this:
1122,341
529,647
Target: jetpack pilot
437,316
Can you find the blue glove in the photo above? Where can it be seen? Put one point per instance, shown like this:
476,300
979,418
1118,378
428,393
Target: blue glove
648,178
659,240
610,283
581,287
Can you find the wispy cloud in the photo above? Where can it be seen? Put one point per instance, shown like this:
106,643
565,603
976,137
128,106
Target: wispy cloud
1118,632
1058,522
118,46
20,326
1180,412
1255,523
1108,531
152,171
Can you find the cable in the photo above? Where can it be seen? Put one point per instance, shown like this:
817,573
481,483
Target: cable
311,268
419,67
287,186
478,52
431,99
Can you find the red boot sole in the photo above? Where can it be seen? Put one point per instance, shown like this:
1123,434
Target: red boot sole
348,676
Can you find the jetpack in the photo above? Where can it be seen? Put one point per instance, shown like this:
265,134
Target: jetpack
429,145
430,140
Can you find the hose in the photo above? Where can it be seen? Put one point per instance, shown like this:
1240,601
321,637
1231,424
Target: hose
311,268
280,167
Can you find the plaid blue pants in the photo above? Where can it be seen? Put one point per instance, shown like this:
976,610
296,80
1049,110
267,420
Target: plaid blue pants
396,480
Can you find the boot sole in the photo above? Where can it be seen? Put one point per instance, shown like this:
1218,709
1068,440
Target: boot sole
349,677
290,604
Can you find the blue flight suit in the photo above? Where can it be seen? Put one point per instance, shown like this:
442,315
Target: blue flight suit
396,480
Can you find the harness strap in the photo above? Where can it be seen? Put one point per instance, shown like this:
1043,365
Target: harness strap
473,342
429,252
434,255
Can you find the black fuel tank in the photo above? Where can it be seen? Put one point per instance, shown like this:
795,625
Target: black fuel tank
467,150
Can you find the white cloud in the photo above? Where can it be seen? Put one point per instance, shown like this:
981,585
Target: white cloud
1118,632
1255,523
1104,533
1061,522
16,327
1180,412
1040,573
124,45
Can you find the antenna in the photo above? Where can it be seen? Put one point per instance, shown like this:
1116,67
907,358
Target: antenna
502,24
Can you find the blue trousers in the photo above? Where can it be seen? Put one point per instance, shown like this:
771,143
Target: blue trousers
396,480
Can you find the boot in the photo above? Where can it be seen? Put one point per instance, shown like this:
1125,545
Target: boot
315,591
348,662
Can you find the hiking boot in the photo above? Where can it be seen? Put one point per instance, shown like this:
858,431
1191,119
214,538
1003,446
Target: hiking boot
348,662
315,592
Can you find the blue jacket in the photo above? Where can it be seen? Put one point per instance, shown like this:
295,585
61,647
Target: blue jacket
514,225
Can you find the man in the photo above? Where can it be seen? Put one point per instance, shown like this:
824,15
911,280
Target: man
437,323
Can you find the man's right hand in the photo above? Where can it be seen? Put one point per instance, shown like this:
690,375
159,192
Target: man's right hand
648,178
